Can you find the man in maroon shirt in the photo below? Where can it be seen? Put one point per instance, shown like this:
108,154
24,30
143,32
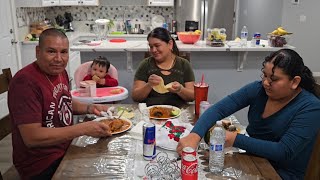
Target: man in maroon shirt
41,110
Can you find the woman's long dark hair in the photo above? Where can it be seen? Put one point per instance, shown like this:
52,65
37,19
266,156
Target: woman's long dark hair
292,64
164,35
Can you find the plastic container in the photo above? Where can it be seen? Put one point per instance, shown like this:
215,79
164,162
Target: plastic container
217,140
244,36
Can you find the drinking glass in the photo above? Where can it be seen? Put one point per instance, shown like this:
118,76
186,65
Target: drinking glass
200,94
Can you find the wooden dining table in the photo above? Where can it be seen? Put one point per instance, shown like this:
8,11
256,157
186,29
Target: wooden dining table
77,159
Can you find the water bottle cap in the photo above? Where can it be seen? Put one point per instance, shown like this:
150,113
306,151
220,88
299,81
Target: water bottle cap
219,123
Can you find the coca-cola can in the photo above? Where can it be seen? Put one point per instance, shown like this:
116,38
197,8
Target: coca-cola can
188,150
189,167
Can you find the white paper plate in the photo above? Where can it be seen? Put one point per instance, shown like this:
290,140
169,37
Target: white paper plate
157,21
124,130
166,106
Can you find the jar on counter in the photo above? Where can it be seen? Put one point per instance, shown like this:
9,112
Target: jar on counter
256,39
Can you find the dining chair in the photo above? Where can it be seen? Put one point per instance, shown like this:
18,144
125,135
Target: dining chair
5,123
84,69
313,169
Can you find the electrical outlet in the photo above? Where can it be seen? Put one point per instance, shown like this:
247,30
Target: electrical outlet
303,18
21,22
295,2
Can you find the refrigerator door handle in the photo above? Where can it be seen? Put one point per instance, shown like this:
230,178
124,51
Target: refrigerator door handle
204,18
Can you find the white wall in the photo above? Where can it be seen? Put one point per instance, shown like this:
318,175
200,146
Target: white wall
306,34
261,16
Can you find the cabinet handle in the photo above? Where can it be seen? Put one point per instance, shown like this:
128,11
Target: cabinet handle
13,41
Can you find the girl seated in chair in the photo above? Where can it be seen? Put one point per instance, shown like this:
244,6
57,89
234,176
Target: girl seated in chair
99,73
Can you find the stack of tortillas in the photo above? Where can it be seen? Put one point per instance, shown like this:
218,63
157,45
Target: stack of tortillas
161,88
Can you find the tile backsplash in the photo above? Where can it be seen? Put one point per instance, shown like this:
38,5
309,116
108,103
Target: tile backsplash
137,14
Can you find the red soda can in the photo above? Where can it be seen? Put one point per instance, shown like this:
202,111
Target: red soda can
188,150
189,167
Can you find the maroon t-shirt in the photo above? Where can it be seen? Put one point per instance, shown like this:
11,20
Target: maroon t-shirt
32,98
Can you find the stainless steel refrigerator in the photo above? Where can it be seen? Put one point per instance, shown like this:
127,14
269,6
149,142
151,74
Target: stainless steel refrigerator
206,14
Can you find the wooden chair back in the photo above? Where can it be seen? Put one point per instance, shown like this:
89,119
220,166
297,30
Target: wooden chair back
317,89
313,169
5,124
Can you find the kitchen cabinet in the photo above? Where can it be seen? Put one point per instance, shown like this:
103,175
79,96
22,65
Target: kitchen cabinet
79,2
46,3
160,2
28,53
73,64
36,3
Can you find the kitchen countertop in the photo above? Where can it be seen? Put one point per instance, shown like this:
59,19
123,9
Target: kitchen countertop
138,43
141,45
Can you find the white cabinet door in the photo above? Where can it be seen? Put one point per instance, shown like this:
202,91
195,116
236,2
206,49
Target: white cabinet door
79,2
160,2
90,2
28,3
69,2
36,3
28,53
73,64
50,2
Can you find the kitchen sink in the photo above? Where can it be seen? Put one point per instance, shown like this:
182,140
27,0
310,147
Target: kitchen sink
85,39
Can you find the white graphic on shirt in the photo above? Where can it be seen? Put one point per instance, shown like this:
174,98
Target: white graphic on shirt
65,113
64,107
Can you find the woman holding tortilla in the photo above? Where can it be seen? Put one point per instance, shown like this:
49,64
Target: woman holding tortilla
164,78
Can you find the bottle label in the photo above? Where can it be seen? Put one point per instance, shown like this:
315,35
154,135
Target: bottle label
216,147
244,34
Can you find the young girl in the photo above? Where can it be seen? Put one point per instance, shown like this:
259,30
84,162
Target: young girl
99,73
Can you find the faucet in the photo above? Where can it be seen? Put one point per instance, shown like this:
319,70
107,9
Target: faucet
125,24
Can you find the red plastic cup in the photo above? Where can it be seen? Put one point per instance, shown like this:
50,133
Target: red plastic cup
200,94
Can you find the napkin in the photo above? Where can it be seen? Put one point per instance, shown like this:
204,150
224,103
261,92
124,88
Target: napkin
169,134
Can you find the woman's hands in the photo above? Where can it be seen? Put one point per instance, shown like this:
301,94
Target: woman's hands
176,87
154,80
230,138
192,140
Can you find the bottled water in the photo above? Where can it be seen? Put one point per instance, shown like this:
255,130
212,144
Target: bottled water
244,36
217,140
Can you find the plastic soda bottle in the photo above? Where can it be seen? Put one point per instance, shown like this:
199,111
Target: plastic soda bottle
217,140
244,36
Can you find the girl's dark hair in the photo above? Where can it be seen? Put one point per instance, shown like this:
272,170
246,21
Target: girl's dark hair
164,35
101,61
292,64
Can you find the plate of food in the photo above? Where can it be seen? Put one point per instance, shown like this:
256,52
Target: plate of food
116,125
163,112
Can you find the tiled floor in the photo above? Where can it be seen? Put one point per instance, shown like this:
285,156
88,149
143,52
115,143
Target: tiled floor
5,154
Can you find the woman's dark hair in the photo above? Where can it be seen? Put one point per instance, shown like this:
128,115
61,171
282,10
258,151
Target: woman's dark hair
164,35
292,64
101,61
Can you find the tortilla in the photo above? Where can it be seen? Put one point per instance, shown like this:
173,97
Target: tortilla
168,85
160,88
